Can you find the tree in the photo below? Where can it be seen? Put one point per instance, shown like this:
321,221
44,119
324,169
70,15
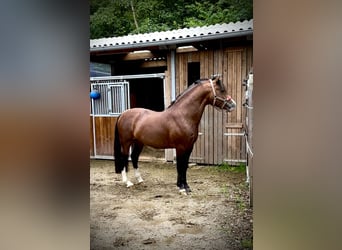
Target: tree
122,17
110,18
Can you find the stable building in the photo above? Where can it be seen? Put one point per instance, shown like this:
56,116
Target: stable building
150,70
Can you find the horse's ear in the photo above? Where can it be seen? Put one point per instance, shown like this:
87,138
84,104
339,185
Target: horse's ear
215,77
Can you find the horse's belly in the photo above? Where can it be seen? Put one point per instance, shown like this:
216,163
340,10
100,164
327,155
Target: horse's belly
159,138
156,140
160,131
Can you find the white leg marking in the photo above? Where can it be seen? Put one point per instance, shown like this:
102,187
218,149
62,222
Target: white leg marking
124,175
129,184
183,191
125,178
137,175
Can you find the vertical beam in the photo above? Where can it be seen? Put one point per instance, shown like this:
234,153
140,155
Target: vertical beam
94,125
173,96
249,150
173,74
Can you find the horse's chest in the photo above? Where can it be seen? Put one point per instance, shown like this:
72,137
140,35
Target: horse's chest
188,135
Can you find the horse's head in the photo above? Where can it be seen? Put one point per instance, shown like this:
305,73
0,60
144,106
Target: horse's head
220,97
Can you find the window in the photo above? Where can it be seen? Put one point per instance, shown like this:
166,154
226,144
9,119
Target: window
99,69
194,71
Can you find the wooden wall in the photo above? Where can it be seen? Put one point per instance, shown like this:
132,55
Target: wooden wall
213,146
104,127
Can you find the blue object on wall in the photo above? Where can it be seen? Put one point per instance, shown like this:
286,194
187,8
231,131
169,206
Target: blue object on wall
95,94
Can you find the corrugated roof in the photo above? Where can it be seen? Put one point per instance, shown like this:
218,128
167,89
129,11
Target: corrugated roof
186,35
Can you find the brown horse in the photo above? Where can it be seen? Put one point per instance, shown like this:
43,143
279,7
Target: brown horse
176,127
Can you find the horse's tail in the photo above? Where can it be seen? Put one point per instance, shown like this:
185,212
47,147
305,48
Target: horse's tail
119,163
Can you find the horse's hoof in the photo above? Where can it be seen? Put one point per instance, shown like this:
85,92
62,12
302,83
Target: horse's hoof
129,184
183,191
140,180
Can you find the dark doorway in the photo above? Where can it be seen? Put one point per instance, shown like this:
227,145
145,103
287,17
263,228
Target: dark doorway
147,93
194,71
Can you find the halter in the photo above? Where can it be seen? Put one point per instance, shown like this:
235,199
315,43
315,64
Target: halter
225,101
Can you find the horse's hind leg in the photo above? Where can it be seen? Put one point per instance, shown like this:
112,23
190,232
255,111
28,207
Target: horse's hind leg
124,159
124,171
136,150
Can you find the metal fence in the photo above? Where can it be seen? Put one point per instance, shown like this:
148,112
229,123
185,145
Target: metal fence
114,97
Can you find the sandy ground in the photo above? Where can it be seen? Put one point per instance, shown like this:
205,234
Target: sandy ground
154,215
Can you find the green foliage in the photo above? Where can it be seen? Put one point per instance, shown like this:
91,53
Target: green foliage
105,22
237,169
247,244
116,17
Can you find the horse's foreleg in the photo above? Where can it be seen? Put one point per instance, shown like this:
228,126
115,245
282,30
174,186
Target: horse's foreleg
137,175
182,167
137,148
125,178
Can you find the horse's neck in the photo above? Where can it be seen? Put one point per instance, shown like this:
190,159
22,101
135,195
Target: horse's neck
192,105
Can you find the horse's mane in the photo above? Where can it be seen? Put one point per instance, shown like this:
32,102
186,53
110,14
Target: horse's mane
197,82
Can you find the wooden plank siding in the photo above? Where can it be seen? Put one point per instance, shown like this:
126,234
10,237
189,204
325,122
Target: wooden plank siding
91,140
234,83
213,145
218,118
104,135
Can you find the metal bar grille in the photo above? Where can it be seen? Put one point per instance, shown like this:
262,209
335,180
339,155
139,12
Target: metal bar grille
114,97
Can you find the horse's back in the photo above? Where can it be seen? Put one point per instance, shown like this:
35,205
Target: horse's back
134,115
136,118
147,126
130,117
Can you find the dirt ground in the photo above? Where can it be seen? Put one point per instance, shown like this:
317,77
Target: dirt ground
154,215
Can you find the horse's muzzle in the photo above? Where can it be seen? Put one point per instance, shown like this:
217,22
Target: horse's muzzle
230,104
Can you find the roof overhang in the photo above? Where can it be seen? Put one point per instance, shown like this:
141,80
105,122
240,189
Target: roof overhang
168,43
173,39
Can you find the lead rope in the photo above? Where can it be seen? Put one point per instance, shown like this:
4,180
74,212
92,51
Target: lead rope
247,145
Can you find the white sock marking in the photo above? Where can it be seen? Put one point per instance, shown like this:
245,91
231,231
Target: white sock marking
137,175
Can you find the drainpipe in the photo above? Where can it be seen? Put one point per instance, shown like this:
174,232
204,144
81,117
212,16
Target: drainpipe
172,152
173,74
